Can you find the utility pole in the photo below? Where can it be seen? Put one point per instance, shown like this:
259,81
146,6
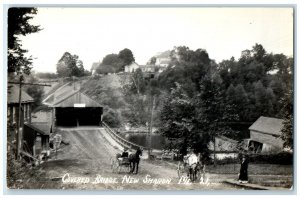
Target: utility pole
150,126
19,139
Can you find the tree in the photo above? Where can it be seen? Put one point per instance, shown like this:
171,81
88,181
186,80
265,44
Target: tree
127,56
152,60
69,65
111,63
18,24
287,130
35,91
176,118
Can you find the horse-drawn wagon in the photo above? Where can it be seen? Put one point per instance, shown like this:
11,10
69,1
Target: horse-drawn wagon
193,171
127,161
118,163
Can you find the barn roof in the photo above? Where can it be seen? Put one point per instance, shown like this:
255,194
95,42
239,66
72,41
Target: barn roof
267,125
13,95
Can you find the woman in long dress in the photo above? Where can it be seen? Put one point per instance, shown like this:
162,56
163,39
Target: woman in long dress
243,176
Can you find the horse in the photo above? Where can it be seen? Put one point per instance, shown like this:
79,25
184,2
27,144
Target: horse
194,168
134,160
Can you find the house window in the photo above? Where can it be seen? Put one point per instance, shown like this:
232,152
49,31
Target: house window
25,112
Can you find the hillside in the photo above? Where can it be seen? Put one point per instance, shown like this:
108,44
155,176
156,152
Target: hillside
108,91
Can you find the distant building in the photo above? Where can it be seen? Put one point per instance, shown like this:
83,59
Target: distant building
164,62
94,67
224,147
131,67
148,68
265,135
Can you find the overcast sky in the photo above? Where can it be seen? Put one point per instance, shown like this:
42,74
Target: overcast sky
92,33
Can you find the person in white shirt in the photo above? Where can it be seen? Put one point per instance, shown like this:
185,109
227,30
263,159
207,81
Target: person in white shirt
192,159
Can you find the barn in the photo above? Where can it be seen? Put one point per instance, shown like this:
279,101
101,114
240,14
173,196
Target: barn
265,135
71,107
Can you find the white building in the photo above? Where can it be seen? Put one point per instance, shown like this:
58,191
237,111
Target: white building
131,67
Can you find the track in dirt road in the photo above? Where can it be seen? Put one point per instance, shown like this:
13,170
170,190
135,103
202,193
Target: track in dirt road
88,156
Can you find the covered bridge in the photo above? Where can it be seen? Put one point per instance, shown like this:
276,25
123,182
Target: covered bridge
70,107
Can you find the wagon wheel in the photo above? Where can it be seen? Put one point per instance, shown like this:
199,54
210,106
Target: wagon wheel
128,167
113,165
180,169
118,165
112,162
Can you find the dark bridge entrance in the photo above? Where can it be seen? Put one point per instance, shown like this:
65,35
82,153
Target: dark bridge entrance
78,116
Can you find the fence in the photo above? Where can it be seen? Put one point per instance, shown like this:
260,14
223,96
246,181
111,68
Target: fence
123,142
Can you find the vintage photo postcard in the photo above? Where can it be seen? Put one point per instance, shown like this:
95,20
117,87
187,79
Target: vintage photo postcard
150,98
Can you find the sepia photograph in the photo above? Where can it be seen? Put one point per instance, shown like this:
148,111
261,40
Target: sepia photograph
143,98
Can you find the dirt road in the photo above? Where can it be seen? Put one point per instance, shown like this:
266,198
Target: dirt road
85,164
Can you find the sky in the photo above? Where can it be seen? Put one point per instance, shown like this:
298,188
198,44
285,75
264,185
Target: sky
92,33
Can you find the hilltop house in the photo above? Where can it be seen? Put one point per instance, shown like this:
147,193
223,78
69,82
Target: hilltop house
164,62
265,135
94,67
130,68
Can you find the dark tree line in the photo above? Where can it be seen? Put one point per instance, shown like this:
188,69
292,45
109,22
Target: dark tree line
208,99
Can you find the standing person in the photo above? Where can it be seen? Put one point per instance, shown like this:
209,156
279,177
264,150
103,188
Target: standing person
243,176
192,162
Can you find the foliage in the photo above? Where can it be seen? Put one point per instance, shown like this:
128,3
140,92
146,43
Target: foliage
152,61
224,97
111,63
112,118
46,75
35,91
287,130
69,65
256,82
114,63
18,24
283,158
126,56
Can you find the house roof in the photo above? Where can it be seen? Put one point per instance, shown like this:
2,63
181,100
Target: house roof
41,127
132,64
13,95
267,125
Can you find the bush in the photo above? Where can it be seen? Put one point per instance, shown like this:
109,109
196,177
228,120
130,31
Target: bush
283,158
112,118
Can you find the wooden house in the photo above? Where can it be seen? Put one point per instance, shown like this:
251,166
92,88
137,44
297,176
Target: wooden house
13,109
265,135
36,138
